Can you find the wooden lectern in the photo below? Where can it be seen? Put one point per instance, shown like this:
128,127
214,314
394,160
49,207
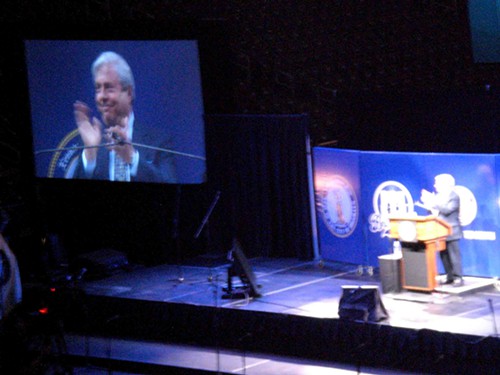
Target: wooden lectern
420,237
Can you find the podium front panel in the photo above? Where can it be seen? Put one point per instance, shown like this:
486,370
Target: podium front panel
416,269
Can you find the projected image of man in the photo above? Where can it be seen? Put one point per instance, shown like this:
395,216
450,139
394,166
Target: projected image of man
110,142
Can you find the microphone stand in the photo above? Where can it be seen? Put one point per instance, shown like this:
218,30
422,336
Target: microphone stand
207,215
492,310
204,223
175,231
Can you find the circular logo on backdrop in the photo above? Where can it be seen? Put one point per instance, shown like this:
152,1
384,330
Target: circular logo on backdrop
391,198
339,207
468,205
64,161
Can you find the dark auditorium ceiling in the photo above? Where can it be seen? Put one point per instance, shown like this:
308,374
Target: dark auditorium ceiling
288,56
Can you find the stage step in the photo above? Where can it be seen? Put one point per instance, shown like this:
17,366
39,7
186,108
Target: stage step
134,357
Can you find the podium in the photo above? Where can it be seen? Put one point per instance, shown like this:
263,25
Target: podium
421,237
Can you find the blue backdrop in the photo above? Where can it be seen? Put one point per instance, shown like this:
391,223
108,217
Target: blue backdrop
356,191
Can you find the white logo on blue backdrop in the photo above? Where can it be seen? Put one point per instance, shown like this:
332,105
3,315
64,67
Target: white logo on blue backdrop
391,198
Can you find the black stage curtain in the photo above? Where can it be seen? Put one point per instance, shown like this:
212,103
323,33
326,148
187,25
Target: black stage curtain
259,164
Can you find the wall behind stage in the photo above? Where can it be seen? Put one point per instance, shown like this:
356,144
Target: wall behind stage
356,191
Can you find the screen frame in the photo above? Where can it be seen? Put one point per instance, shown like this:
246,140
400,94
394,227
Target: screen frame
485,49
168,95
215,64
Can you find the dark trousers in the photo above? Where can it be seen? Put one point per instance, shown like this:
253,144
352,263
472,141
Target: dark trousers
452,260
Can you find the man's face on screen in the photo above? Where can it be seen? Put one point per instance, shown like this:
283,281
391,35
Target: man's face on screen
113,101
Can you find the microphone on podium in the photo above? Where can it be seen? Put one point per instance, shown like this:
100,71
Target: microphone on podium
119,140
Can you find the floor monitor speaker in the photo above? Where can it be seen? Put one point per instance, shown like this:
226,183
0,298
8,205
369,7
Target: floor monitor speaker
240,268
361,303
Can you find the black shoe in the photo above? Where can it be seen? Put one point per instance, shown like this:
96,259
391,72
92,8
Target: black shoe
446,282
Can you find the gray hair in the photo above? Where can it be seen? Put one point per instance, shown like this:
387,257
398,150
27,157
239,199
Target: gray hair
121,66
446,179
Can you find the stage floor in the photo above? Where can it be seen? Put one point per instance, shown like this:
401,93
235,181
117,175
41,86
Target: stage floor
313,289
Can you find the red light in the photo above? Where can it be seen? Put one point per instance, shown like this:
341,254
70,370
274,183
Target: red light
43,310
52,290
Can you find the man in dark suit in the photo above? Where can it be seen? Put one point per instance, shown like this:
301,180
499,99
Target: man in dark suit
111,152
445,204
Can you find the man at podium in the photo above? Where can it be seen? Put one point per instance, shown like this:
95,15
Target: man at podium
445,204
